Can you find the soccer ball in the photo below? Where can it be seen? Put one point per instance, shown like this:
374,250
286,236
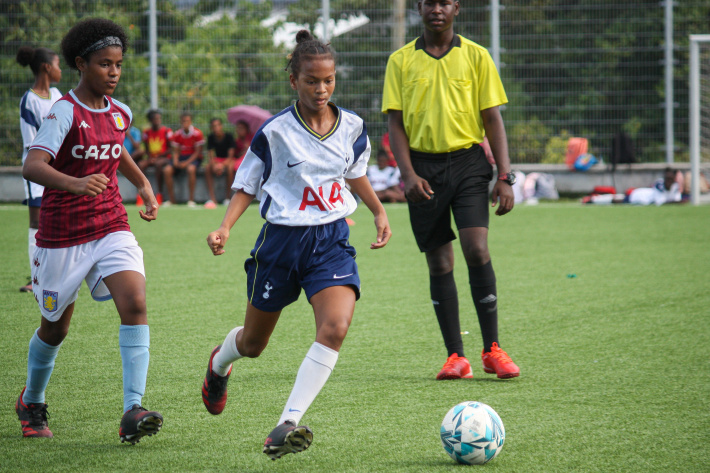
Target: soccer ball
472,433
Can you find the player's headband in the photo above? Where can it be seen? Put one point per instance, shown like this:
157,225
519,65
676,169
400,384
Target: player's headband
102,43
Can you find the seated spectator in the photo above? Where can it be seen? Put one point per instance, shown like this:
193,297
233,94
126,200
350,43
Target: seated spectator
664,191
156,139
243,141
388,149
133,144
221,161
187,143
385,179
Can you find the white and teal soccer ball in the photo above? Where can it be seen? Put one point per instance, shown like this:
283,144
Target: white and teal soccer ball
472,433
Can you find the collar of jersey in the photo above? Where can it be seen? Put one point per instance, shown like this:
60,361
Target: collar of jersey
313,132
190,131
420,44
95,110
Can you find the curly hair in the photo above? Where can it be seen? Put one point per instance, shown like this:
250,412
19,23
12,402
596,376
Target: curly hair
86,33
34,57
307,47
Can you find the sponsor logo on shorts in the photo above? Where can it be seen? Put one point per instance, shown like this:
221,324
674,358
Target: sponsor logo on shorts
336,276
50,299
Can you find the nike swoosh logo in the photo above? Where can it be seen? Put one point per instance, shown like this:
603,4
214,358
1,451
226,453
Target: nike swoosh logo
293,410
295,164
335,276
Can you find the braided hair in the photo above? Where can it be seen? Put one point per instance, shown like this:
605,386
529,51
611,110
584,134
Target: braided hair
307,47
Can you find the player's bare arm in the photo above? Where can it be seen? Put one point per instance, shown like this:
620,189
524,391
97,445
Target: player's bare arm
495,131
218,238
416,188
37,169
361,186
128,167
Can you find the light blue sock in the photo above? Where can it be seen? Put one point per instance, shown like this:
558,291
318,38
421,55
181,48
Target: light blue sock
40,364
134,341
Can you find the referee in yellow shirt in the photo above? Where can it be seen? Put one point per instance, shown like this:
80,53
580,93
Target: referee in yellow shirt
442,93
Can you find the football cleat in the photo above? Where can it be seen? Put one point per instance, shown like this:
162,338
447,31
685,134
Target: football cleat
287,438
138,422
214,388
27,287
497,361
33,418
456,367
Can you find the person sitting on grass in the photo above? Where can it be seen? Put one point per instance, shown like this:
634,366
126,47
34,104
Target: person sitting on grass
385,179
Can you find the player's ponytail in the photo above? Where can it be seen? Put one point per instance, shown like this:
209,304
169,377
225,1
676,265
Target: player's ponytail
34,57
307,47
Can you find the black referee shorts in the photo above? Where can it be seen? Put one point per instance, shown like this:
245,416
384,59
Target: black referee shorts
460,182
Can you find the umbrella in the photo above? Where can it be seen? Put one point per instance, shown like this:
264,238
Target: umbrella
251,114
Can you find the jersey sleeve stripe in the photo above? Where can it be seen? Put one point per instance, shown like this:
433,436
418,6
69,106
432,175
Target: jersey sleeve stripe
260,147
27,114
44,148
360,144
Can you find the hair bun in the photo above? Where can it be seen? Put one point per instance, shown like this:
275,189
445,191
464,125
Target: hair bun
302,36
25,55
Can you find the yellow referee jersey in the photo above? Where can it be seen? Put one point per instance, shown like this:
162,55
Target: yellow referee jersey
441,98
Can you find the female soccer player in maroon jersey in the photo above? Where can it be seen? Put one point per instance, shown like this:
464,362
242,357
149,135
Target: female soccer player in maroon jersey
83,229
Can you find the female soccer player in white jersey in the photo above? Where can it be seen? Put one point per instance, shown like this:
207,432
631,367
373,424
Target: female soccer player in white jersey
83,232
298,164
34,106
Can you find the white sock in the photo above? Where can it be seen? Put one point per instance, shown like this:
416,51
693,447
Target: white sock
222,361
312,375
31,244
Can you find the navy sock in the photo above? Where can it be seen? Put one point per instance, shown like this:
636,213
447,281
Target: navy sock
483,290
445,298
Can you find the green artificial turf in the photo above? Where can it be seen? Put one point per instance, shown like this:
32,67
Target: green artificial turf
605,309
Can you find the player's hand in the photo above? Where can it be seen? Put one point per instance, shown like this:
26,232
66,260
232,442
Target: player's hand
151,204
503,194
91,185
417,189
216,241
384,233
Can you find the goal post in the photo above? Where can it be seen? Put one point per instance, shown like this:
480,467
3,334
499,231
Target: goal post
699,84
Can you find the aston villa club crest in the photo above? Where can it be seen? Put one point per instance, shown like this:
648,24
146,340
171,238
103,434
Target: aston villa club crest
50,300
118,119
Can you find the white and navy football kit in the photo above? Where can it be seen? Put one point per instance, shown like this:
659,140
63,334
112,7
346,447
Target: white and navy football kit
82,237
33,109
299,177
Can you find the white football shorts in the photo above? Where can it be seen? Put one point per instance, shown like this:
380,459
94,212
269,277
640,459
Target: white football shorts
57,272
33,193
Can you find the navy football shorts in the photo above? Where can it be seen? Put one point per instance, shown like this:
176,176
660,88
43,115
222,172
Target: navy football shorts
286,259
460,182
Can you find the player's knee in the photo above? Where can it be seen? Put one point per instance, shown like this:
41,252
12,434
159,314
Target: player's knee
133,308
477,255
333,332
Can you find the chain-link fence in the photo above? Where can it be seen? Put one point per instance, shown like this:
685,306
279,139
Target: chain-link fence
590,68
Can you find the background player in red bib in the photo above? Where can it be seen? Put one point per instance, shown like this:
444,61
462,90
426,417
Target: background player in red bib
83,231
